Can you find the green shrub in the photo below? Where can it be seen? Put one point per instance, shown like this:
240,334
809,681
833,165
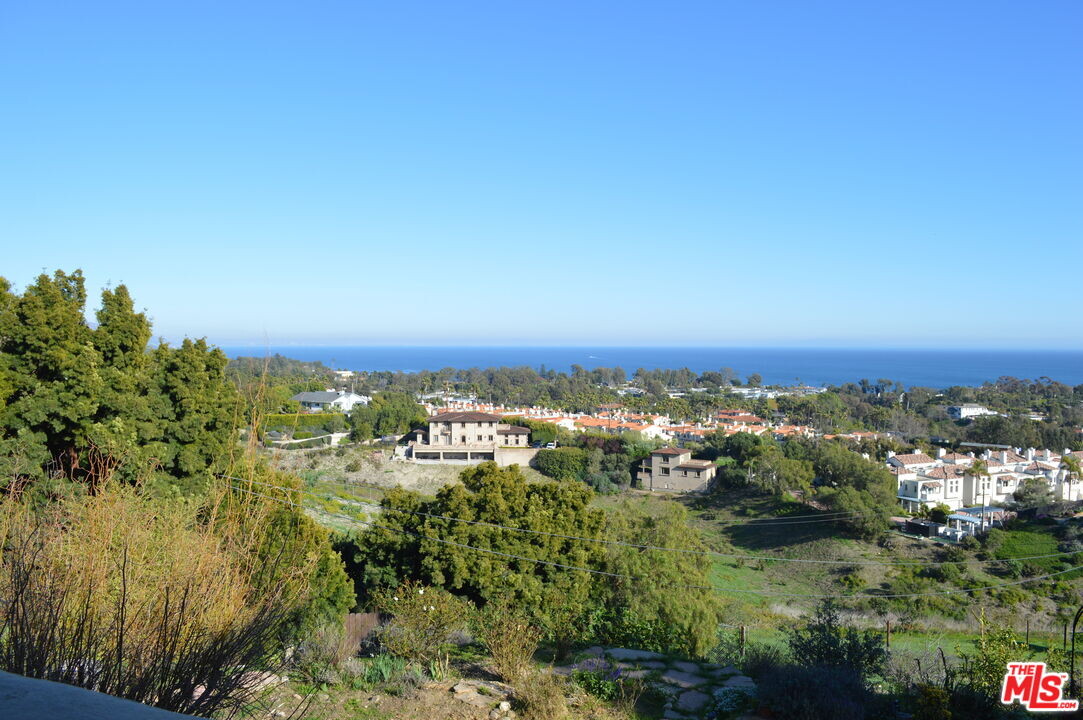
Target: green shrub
932,703
602,685
563,463
983,670
377,671
424,621
825,642
611,686
297,421
798,692
733,702
760,659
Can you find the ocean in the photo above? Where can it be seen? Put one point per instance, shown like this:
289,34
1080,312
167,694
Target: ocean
787,366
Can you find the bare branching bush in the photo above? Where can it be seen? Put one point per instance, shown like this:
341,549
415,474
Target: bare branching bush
510,639
169,603
424,621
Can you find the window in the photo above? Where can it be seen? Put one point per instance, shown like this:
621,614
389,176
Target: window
490,437
665,459
464,438
665,471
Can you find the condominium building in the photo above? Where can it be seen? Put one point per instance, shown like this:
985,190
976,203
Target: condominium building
945,479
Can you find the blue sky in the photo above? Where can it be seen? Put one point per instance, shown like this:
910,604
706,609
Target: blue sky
735,173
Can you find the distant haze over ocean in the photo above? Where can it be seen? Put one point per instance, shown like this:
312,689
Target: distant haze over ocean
927,368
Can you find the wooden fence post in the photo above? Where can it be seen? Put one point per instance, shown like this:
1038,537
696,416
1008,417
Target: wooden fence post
887,625
743,638
1028,632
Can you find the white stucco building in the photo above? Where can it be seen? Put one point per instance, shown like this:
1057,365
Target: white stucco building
927,481
330,401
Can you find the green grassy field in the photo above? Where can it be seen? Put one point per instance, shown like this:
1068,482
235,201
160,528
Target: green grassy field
757,590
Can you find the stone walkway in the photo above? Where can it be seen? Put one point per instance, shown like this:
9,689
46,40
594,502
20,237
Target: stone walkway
692,688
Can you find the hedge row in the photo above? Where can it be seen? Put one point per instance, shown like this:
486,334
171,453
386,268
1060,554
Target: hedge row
300,420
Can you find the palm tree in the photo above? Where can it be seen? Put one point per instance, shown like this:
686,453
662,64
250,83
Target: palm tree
979,469
1071,465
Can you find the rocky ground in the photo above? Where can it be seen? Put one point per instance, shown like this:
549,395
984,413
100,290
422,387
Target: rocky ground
692,689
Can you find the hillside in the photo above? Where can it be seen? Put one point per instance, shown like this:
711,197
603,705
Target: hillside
763,590
752,524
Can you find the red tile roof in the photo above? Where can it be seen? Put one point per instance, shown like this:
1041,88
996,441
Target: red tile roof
913,459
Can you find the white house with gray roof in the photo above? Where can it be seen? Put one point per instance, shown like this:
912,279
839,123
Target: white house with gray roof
329,401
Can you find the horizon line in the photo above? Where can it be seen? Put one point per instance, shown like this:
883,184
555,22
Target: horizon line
675,346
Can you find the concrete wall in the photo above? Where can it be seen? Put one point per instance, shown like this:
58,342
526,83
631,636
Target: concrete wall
515,456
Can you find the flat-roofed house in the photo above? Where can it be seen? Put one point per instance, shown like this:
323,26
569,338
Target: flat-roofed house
966,411
671,469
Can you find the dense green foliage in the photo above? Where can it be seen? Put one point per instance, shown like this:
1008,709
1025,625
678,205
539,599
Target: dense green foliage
389,413
826,642
849,483
267,384
569,604
326,422
564,463
285,532
604,462
918,413
844,480
82,405
78,403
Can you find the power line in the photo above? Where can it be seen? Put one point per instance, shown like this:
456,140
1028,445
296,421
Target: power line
637,546
677,586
